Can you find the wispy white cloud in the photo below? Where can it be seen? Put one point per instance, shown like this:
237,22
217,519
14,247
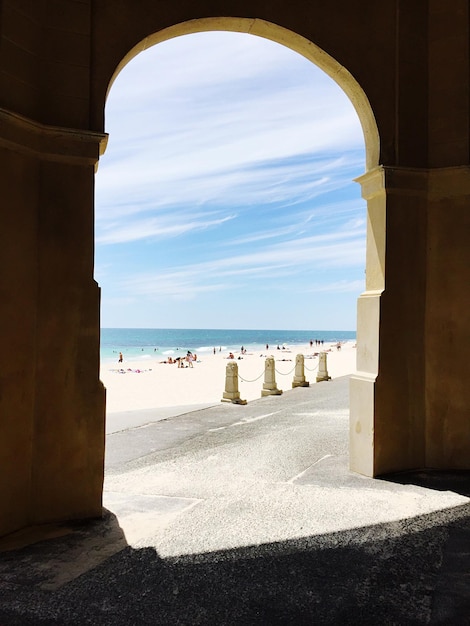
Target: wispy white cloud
344,249
277,183
178,137
340,286
213,63
243,143
153,227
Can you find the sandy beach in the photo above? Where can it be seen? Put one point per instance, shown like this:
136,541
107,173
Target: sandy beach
135,385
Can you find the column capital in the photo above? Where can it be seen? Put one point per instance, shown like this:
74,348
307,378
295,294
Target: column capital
51,143
434,183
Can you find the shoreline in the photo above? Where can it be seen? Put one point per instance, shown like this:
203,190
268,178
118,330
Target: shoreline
148,344
138,384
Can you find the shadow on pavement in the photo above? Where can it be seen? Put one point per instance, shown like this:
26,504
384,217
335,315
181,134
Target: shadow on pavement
393,573
456,481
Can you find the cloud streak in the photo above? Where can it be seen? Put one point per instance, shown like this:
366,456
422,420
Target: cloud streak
228,169
306,255
152,227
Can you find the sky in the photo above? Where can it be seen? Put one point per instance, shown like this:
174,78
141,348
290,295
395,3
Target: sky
225,198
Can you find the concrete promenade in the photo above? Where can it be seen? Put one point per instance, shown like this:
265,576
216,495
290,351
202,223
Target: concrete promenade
248,515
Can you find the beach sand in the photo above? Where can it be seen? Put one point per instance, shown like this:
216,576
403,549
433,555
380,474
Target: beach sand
150,384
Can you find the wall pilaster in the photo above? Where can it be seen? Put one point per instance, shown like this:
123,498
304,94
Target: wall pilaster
410,396
387,393
51,401
447,319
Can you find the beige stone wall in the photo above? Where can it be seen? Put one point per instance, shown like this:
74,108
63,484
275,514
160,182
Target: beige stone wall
447,329
51,399
405,66
45,60
18,280
447,321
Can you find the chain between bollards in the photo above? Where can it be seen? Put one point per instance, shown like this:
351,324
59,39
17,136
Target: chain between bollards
286,373
270,388
244,380
312,370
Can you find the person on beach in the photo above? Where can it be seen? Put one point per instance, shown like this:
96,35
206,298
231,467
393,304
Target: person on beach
120,357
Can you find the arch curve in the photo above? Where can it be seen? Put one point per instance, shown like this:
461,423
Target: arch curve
291,40
410,396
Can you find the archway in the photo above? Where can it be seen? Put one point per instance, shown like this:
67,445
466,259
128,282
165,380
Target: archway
362,401
409,412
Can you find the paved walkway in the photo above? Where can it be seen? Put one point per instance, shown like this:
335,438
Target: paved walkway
249,515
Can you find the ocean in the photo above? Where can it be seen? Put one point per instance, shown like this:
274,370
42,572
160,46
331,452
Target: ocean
151,343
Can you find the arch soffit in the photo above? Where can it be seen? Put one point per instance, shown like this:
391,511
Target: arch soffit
291,40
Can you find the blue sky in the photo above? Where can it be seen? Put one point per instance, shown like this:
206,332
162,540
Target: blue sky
225,198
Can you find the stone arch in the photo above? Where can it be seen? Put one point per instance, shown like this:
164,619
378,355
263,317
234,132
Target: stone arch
368,323
287,38
410,396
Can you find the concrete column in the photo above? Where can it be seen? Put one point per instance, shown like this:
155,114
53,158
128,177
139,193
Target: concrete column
52,418
299,376
447,347
387,409
231,393
269,386
322,368
363,382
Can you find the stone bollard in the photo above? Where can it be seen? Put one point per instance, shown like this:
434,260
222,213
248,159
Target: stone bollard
231,393
299,376
322,368
269,386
